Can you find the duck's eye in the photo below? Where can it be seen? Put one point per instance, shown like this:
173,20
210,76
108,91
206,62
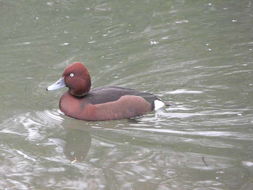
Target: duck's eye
71,75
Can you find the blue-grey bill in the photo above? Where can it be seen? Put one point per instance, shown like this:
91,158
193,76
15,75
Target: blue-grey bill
58,84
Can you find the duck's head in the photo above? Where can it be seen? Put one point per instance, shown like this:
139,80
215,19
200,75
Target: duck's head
76,77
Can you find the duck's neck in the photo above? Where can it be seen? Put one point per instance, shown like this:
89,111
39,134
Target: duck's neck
79,95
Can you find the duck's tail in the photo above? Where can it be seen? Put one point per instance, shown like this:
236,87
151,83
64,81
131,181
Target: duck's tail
158,104
167,104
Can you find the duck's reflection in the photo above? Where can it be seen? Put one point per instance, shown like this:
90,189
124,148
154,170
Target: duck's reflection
77,144
78,136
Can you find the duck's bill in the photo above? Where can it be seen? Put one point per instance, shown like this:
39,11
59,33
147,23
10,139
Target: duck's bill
58,84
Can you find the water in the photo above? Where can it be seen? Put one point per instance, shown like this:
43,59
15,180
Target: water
198,55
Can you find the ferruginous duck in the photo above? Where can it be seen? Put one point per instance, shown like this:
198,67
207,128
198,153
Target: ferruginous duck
98,104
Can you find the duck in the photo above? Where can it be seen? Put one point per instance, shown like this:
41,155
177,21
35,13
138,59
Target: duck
103,103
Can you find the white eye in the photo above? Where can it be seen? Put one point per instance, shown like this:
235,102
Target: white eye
71,74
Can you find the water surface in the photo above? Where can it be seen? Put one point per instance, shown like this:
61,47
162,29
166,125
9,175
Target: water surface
198,55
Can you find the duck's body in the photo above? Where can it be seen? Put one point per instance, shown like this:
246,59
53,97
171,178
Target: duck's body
106,103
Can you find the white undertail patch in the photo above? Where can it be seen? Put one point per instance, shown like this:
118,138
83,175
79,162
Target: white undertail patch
158,104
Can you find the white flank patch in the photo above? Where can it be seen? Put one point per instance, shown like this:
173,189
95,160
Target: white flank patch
158,104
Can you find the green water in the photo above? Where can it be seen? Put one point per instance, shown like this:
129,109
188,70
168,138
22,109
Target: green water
198,55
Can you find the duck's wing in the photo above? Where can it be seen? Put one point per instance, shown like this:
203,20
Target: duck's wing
112,93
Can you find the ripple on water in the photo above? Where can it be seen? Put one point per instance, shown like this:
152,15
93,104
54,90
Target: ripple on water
25,146
29,124
132,149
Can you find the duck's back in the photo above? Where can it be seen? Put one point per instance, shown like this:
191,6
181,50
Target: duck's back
112,93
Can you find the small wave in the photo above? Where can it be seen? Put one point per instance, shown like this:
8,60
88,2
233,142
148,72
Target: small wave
30,124
235,135
184,91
